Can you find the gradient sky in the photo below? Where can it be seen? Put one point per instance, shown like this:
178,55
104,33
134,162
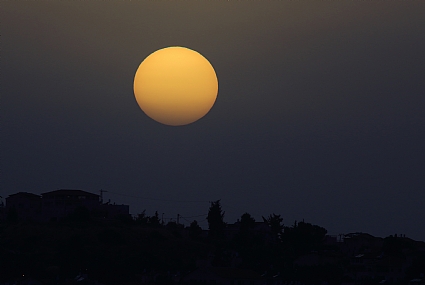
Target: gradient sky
320,112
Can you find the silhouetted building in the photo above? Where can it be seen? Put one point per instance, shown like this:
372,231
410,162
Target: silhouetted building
113,211
58,204
61,203
358,243
26,205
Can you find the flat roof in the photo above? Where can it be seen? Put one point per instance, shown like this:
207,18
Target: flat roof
25,194
69,192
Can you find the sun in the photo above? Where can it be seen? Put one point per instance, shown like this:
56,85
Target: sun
175,86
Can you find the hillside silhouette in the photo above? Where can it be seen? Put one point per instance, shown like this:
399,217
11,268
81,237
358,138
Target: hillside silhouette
85,248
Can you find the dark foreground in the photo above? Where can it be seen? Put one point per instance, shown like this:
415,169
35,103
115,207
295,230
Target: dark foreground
87,250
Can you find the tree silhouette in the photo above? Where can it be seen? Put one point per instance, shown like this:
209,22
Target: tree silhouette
194,230
247,222
302,238
249,244
276,226
215,217
154,220
142,219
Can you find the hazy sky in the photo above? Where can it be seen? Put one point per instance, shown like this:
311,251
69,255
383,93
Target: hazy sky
320,113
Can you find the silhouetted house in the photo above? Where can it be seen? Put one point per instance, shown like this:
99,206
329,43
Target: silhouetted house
358,243
27,206
58,204
222,276
111,211
61,203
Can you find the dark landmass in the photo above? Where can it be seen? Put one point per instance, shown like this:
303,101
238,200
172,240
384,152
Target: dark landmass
87,249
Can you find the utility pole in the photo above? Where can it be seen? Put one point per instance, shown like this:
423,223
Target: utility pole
178,217
101,195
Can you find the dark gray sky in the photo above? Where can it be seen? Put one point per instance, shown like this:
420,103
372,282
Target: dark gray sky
320,112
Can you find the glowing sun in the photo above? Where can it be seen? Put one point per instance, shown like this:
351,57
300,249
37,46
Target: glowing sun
175,86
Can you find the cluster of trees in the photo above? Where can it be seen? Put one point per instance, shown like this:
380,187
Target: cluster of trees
277,255
145,220
257,251
307,235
